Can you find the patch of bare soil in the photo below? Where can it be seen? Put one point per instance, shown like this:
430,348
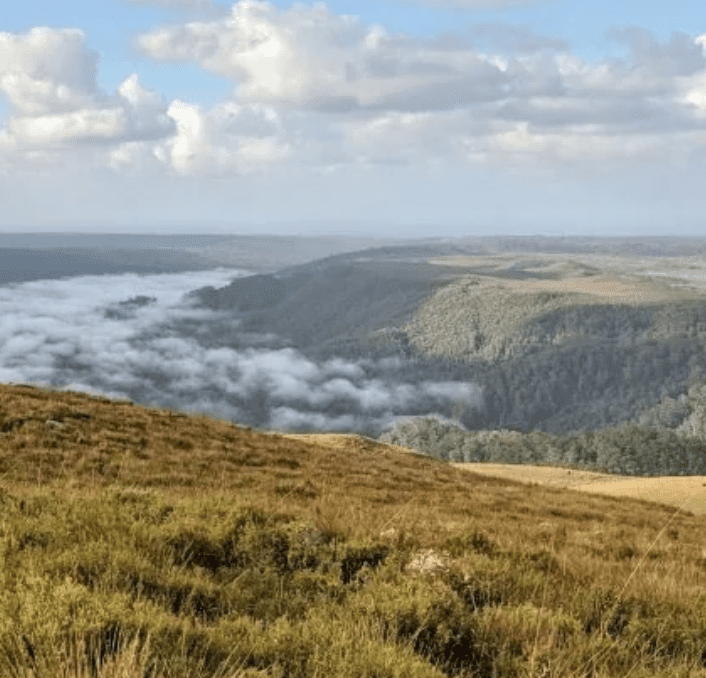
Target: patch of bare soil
686,492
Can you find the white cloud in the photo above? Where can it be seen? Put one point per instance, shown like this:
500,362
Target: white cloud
682,55
694,93
48,76
74,126
192,140
316,91
275,56
44,56
57,332
31,96
397,99
227,139
310,58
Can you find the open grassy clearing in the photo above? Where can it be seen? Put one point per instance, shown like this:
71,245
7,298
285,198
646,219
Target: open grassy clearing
139,542
631,290
686,274
688,493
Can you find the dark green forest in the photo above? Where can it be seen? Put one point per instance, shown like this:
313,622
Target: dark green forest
556,362
627,450
576,374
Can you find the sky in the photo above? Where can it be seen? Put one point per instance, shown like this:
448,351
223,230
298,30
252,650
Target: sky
88,334
410,118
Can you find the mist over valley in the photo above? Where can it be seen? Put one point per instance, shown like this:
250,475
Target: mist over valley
419,342
144,338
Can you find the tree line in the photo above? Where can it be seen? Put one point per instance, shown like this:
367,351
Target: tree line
628,449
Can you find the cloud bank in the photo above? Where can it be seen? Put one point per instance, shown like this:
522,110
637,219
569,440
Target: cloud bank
117,335
317,91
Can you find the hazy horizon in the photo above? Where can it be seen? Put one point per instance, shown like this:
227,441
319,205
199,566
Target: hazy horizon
11,236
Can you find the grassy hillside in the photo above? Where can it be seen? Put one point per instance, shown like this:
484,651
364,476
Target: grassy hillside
139,542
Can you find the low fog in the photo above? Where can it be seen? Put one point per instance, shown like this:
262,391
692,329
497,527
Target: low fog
118,335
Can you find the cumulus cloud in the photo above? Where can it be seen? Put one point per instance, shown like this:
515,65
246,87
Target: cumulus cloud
119,335
494,93
229,138
315,90
49,78
682,55
276,56
310,58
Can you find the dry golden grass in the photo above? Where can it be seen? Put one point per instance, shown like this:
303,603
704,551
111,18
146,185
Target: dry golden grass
681,275
346,441
240,553
610,287
551,476
572,277
86,441
687,493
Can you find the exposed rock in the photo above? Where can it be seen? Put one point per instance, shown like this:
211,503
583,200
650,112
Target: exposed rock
428,562
390,536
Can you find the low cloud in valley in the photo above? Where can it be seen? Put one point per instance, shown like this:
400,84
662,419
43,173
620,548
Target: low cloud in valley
119,336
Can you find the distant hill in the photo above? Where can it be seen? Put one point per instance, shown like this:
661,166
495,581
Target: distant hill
42,256
558,343
18,264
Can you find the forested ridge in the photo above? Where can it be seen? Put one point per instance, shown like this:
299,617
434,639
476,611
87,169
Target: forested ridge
607,387
629,449
559,344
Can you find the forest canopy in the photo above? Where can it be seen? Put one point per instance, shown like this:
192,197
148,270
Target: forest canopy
627,450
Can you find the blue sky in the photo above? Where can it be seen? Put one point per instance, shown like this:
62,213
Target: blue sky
395,118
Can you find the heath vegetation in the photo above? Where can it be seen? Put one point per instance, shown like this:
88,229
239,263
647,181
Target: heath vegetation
142,543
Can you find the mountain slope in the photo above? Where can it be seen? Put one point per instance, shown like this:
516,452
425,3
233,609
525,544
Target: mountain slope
556,343
140,542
